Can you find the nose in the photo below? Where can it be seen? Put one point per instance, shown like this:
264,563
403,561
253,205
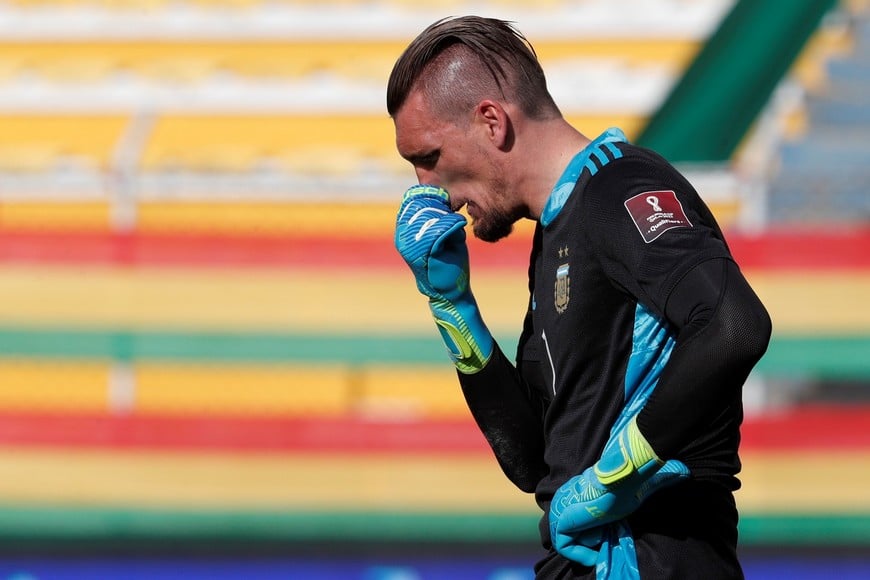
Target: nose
426,177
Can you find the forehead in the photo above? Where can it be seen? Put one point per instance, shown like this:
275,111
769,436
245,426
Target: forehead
417,129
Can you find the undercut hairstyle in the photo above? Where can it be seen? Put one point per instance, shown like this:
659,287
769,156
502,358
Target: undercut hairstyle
459,61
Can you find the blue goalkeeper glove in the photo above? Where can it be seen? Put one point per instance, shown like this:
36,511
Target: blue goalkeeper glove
627,472
431,239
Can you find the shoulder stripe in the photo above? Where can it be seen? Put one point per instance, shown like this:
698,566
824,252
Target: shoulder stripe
592,158
615,151
601,156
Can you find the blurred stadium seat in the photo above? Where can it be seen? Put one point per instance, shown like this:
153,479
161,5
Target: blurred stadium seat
59,386
221,76
89,140
822,170
204,142
238,390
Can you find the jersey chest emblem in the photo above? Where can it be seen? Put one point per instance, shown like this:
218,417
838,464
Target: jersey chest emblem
563,288
655,212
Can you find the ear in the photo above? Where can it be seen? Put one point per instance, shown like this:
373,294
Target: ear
495,122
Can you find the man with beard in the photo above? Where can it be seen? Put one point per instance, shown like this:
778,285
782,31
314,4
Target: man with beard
622,409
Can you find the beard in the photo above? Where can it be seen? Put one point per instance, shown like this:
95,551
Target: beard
498,221
494,226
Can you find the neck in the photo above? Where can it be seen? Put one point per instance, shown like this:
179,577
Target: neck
547,148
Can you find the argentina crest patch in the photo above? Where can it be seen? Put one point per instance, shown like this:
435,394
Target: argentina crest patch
655,212
563,288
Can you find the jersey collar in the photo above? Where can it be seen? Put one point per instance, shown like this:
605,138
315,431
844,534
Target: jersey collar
562,191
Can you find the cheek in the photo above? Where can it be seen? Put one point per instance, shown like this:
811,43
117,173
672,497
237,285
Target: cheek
465,168
475,178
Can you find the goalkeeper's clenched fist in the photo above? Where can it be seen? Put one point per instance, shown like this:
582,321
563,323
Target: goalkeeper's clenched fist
431,239
627,472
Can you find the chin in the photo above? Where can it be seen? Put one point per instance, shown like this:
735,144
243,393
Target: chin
491,232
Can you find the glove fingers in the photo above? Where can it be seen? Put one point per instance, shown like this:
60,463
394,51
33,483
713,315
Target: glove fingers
429,227
581,554
421,197
671,472
425,191
676,467
583,516
451,232
423,232
422,220
582,548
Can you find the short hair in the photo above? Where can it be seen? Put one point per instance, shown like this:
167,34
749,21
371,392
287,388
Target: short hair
467,58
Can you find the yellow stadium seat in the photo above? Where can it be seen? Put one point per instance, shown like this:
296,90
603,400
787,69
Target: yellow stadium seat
109,4
179,69
418,4
193,60
59,61
352,59
223,4
266,217
53,386
674,53
131,4
857,6
91,139
338,144
182,139
56,215
10,66
368,59
550,4
75,69
220,157
28,158
810,66
320,160
375,67
241,389
396,165
403,392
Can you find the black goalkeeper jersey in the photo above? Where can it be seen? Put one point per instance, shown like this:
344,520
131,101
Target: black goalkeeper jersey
604,261
621,229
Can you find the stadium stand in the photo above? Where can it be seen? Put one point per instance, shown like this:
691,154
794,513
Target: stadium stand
200,97
36,143
823,171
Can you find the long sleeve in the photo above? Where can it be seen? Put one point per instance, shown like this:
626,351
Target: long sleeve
723,330
502,406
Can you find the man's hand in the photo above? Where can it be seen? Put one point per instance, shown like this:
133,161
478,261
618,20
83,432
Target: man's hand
431,239
626,474
625,455
582,547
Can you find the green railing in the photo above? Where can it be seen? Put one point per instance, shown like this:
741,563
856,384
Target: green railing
715,103
789,356
141,527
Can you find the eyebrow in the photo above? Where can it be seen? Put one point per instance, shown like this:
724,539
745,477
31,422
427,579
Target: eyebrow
423,158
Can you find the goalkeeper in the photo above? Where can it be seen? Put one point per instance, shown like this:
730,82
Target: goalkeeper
622,410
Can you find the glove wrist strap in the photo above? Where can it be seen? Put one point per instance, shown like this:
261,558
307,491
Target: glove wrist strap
628,452
469,343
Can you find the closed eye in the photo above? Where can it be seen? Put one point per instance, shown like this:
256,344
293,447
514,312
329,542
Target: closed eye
426,160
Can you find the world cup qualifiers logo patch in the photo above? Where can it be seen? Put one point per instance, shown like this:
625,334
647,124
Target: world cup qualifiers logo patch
655,212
